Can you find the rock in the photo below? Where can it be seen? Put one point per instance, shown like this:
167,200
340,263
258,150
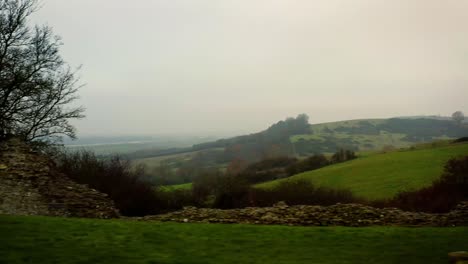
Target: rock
458,256
281,205
308,215
31,185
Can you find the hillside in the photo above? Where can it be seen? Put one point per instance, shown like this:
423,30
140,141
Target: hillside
374,134
61,240
383,175
295,137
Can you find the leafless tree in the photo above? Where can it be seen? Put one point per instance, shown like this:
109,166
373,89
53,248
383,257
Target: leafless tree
36,85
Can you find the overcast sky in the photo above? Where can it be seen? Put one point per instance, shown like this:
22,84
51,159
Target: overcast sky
218,66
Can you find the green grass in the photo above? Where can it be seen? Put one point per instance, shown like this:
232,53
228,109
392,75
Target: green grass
153,162
172,160
379,176
175,187
61,240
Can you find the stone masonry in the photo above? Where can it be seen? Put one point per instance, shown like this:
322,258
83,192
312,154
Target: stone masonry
30,185
307,215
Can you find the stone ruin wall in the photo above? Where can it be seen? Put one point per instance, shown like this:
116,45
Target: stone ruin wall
307,215
30,185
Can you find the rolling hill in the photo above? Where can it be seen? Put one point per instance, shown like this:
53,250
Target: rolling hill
295,137
383,175
374,134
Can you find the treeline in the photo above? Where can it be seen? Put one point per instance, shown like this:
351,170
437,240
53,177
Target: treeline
276,133
135,195
282,167
213,188
177,171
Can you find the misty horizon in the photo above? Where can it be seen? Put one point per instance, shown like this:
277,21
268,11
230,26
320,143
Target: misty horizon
218,68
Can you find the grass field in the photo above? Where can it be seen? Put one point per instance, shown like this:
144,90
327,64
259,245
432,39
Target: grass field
153,162
175,187
383,175
173,160
61,240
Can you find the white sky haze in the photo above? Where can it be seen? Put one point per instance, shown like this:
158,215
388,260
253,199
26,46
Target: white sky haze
218,66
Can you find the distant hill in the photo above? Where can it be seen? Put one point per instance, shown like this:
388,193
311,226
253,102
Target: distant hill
296,137
382,175
372,134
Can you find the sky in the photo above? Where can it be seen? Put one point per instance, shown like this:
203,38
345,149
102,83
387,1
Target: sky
199,67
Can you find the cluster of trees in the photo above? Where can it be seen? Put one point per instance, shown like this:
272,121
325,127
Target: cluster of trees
232,190
228,191
273,142
177,172
282,167
116,177
458,117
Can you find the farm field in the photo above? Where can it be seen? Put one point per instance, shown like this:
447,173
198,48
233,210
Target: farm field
67,240
383,175
173,160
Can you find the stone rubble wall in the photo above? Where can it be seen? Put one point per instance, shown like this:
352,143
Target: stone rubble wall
30,185
306,215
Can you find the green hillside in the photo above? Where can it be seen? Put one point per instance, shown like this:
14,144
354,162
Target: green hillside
374,134
383,175
65,240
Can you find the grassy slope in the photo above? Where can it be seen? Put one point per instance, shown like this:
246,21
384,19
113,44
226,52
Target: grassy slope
59,240
175,187
383,175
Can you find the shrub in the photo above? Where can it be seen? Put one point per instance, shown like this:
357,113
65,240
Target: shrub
441,196
310,163
115,177
343,155
300,192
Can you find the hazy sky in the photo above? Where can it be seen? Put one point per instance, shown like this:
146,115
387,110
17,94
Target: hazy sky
196,66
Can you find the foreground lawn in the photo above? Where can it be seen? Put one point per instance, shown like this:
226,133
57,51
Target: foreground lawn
381,176
59,240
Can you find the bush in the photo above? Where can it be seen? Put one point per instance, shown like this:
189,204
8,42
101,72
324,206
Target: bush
441,196
115,177
462,139
300,192
310,163
343,155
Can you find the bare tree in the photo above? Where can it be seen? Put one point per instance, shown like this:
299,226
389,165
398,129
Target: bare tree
36,85
458,117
